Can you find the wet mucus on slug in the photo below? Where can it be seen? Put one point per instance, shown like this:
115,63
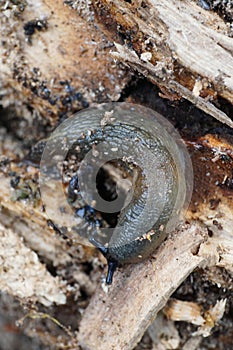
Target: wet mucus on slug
126,245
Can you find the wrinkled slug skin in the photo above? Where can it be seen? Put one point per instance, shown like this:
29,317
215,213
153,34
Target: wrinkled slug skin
146,141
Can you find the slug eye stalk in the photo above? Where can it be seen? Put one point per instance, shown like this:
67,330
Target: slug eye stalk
112,265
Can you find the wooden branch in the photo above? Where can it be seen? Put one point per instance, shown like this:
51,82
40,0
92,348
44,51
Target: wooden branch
147,295
176,45
154,73
117,318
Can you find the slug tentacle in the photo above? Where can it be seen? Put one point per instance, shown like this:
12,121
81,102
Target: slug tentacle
146,164
112,265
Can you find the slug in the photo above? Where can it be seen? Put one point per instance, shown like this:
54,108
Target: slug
150,151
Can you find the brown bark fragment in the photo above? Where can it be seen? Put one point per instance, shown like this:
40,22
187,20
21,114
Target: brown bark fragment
59,68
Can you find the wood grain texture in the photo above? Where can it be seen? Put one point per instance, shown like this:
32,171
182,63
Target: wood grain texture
176,45
187,52
58,69
117,319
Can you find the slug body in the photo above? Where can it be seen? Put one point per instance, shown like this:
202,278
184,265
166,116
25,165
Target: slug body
149,147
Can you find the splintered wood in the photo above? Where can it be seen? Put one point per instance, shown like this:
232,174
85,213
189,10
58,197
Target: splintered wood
54,60
50,73
23,275
176,45
117,318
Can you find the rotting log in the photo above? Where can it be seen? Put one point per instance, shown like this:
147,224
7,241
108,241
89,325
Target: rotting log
59,62
66,65
54,60
175,44
211,204
118,318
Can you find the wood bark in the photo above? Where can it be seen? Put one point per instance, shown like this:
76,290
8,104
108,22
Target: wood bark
54,60
117,318
73,58
177,45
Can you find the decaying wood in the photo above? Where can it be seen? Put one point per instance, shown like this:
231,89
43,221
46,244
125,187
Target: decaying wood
117,318
150,71
58,68
22,274
165,334
176,44
216,251
140,291
31,223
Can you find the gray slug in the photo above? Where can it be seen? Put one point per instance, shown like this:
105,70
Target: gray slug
150,149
